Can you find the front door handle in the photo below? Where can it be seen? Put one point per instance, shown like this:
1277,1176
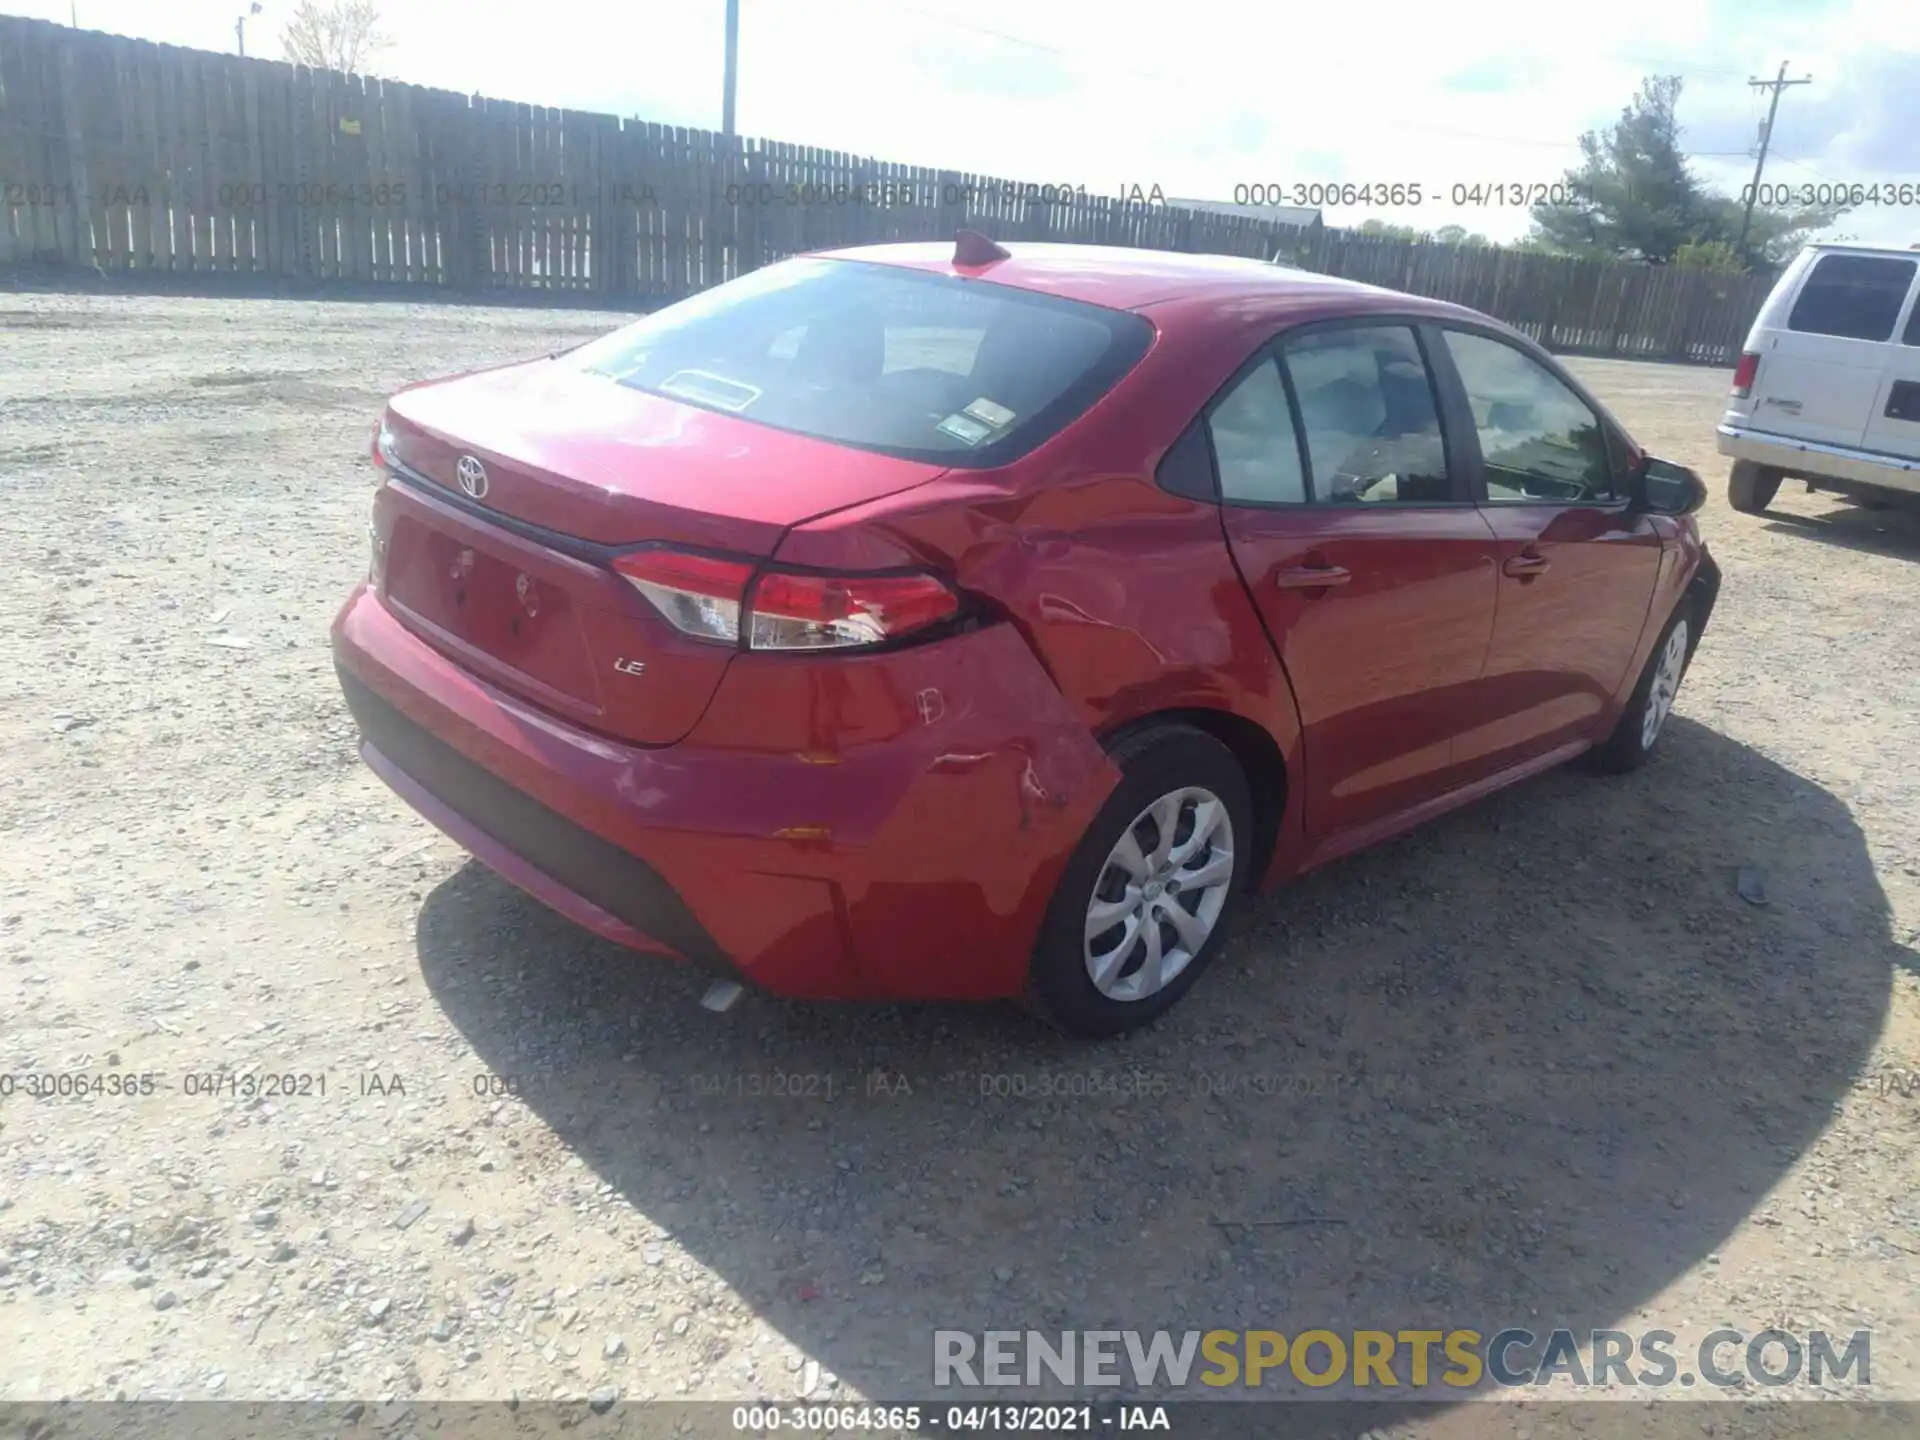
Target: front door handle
1525,567
1312,577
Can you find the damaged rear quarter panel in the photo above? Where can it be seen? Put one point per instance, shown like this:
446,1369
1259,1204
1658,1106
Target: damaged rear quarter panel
967,781
1125,593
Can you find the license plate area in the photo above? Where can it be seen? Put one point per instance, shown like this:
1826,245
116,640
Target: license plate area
525,622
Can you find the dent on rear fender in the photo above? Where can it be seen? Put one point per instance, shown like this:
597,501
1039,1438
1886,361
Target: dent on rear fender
1001,703
951,893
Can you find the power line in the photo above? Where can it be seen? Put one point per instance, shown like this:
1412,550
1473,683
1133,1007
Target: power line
1392,122
957,23
1788,159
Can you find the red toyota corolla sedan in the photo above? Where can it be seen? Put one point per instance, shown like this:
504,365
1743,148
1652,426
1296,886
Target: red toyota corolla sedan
959,621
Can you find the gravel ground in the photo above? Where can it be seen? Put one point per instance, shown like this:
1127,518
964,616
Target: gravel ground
1537,1064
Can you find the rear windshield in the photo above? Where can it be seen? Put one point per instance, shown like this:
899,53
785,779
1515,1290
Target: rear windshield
925,367
1854,296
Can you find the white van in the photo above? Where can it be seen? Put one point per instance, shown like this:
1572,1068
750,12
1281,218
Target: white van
1828,389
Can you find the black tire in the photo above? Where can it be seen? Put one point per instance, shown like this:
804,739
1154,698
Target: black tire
1628,748
1751,487
1153,764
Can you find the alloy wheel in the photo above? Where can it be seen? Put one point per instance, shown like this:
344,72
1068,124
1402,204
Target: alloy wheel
1159,894
1666,684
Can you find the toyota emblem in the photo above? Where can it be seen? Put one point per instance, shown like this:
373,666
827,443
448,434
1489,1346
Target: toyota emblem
473,477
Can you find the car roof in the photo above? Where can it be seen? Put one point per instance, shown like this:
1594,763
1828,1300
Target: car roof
1121,278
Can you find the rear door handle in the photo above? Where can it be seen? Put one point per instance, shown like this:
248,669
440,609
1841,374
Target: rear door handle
1312,577
1526,566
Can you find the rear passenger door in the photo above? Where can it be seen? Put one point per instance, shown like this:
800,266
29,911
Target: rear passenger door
1577,565
1894,425
1351,524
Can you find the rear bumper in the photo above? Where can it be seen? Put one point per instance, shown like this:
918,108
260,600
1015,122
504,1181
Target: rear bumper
1814,460
586,878
890,826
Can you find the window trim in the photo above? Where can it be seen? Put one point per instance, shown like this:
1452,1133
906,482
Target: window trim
1466,466
1906,329
1457,481
1207,491
1613,434
1902,309
1271,349
1262,356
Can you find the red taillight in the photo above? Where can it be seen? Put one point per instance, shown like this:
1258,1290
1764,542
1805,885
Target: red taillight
1743,374
820,612
386,446
698,594
706,596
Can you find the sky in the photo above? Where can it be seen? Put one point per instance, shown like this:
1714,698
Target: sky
1199,98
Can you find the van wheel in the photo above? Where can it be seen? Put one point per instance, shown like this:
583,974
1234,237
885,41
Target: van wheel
1146,901
1751,487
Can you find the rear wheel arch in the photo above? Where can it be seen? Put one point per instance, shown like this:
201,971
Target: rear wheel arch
1251,744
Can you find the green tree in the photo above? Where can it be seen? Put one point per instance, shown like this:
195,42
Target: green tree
1388,231
1633,195
1713,255
1445,235
1776,234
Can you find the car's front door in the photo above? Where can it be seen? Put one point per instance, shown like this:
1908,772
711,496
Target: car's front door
1372,569
1577,565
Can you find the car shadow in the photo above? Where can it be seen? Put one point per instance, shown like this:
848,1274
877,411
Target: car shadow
1530,1064
1893,532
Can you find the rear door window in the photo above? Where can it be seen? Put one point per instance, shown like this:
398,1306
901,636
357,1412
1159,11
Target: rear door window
1368,413
924,367
1856,297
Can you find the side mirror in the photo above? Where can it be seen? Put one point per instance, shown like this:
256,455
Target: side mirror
1661,487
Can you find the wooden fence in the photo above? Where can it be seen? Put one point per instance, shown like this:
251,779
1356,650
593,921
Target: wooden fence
136,158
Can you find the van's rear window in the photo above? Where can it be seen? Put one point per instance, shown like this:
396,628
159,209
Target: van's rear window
926,367
1857,297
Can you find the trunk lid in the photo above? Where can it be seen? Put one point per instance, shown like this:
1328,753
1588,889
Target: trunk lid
583,455
513,583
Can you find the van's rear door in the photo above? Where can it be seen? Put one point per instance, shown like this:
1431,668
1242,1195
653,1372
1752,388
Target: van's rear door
1823,344
1894,426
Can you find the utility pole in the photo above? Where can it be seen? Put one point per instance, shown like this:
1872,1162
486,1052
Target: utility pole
733,66
1776,85
240,27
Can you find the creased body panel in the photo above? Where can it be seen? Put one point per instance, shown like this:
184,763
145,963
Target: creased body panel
817,823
